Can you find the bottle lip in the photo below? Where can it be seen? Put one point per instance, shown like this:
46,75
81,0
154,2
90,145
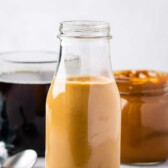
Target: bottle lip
84,29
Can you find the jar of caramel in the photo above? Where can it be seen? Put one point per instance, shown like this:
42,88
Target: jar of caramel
144,130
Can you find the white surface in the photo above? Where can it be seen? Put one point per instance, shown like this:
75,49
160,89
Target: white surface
40,164
139,27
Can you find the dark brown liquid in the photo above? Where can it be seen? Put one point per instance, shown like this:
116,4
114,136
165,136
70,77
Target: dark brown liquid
22,110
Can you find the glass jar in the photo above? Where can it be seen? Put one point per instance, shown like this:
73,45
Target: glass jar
83,103
144,116
25,78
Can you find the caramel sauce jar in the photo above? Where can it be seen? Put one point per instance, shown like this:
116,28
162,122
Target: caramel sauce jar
144,128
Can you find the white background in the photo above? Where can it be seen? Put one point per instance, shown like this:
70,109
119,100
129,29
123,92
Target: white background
139,27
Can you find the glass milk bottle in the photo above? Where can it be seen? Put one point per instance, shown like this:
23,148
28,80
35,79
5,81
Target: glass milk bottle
83,104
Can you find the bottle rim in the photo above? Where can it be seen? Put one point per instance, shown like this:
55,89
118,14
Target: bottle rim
84,29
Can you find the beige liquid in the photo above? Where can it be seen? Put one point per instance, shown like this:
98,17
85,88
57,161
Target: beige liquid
83,124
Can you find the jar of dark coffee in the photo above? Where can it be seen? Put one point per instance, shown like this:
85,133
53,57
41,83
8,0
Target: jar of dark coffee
24,81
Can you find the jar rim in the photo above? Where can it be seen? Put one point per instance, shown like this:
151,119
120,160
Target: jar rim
154,83
84,29
28,57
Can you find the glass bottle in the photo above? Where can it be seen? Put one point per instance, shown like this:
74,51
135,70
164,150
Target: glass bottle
83,102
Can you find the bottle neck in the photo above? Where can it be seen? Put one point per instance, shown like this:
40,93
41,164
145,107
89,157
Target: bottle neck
85,57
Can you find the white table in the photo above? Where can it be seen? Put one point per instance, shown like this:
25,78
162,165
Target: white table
40,164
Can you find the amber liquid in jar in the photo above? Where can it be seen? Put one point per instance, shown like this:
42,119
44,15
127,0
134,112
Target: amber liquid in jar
144,128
